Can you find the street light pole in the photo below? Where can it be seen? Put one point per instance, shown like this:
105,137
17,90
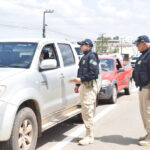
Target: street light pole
44,25
121,46
102,42
102,37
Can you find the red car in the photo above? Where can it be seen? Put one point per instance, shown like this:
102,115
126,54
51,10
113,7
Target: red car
115,77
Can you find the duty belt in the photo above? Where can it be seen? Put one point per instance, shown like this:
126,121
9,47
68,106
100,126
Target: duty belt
89,84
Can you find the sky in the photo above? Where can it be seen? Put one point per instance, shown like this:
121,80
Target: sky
74,19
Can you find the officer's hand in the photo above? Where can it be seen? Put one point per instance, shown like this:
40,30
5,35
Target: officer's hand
76,89
75,80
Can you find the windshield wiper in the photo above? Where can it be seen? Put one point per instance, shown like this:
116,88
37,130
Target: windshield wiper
15,66
3,66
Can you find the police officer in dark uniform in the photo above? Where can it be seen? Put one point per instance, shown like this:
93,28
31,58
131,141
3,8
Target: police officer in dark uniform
141,76
87,74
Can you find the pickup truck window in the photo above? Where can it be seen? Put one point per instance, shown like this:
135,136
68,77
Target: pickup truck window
107,64
67,54
16,54
49,52
78,50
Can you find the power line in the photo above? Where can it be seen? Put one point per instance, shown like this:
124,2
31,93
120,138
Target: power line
30,28
21,27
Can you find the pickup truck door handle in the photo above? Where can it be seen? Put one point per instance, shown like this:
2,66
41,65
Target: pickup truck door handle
43,83
62,76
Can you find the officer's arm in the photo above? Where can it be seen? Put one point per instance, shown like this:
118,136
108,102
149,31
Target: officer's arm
93,69
78,77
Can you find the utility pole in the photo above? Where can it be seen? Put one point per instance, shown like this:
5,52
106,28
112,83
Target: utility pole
44,25
102,42
102,35
121,46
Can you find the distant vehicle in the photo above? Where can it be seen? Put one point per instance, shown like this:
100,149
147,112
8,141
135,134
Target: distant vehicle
115,77
133,61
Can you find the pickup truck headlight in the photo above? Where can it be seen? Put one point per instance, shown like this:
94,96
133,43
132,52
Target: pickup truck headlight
105,83
2,90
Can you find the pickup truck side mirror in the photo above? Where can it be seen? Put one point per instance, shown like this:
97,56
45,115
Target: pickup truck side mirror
48,64
121,70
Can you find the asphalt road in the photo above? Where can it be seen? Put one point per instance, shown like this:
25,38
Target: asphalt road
117,127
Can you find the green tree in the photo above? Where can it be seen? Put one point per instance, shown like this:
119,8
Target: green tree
102,44
116,38
115,50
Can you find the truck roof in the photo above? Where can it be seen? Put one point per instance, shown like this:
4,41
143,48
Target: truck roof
34,40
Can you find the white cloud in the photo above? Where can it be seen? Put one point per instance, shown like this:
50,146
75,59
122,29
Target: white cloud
74,18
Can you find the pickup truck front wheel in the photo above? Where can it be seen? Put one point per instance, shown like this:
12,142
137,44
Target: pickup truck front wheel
25,132
113,98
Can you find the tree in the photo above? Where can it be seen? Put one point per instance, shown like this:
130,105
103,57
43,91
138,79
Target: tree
102,44
116,38
115,50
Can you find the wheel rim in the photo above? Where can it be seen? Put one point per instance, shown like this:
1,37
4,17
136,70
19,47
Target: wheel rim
25,135
114,94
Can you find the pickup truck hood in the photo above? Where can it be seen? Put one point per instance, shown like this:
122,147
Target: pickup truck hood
6,73
107,75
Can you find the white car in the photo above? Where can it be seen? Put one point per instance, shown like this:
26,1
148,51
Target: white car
34,90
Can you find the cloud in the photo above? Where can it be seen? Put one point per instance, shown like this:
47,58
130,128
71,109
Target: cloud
75,19
70,16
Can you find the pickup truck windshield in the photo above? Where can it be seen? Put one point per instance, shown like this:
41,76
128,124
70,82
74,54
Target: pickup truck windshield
107,64
16,54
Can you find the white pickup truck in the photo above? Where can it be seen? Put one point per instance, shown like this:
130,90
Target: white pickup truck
34,90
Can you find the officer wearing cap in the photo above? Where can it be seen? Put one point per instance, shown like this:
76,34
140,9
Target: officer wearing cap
87,74
141,76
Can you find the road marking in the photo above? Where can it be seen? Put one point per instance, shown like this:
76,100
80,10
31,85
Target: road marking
81,129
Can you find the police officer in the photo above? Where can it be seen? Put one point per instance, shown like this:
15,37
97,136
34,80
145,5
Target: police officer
87,74
141,76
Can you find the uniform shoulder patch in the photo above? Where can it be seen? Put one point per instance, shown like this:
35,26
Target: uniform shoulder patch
92,61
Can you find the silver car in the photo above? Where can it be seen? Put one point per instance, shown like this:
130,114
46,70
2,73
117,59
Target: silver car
34,90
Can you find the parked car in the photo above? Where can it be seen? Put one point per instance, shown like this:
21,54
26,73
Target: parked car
133,61
115,77
34,90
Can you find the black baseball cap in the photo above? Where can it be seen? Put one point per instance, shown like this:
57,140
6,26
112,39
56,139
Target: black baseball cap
142,38
86,42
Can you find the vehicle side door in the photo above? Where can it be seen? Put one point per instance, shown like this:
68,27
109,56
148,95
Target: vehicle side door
70,68
120,75
51,83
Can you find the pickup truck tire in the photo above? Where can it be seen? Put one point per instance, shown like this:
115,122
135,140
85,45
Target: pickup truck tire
127,91
25,132
113,98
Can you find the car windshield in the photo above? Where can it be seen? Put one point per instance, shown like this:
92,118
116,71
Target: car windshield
78,50
16,54
107,64
135,58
